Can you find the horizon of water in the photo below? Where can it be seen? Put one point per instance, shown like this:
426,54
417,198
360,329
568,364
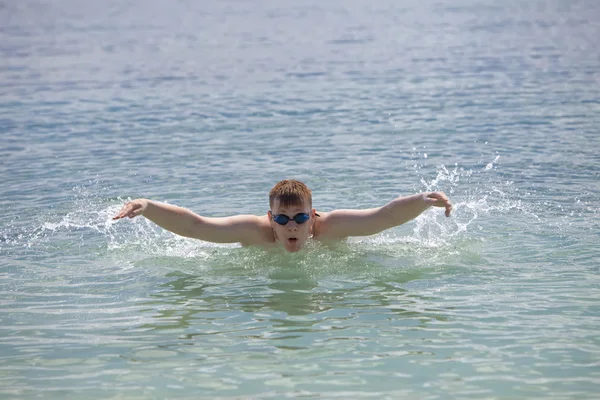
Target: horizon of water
207,106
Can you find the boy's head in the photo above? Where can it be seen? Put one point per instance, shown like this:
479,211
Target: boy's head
290,192
291,215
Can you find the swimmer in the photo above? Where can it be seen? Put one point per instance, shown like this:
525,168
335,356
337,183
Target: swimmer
291,220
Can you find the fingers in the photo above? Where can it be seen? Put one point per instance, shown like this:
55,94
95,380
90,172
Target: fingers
432,198
438,196
120,214
135,212
439,199
130,210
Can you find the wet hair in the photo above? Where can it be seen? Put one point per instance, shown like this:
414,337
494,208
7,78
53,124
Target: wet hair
290,192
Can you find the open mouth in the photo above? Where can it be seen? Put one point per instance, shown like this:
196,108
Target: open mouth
292,240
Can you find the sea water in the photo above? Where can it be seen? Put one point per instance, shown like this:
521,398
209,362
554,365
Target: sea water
207,105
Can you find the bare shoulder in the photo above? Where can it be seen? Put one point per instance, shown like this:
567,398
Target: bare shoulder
342,223
246,229
325,225
242,219
258,228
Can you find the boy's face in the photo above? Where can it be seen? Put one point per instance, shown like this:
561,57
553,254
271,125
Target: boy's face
292,235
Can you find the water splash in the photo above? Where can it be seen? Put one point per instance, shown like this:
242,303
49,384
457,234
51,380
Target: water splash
89,225
491,164
479,200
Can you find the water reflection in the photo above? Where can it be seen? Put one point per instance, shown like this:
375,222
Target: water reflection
285,293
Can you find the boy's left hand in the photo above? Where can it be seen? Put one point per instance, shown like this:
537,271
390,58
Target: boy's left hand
439,199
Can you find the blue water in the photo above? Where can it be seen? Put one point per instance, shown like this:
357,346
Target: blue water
208,104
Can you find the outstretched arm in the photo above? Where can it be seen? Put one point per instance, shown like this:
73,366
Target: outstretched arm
240,228
343,223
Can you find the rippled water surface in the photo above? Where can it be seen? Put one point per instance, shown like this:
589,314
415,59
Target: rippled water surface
207,105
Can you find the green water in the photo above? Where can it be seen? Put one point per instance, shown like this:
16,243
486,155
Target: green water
208,106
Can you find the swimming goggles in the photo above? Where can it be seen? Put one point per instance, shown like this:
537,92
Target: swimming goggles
300,218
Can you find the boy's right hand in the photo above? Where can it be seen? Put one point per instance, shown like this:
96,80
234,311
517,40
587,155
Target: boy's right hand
132,209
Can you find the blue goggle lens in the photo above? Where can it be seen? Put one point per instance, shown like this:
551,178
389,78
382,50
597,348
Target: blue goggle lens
282,219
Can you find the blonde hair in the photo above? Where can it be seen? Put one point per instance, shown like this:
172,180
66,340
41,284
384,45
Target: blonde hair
290,192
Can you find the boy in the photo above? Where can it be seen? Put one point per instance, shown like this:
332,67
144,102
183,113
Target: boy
290,222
